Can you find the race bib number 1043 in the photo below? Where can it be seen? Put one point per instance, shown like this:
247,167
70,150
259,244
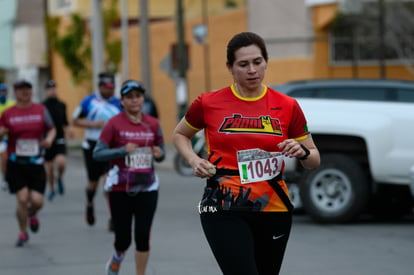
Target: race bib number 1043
258,165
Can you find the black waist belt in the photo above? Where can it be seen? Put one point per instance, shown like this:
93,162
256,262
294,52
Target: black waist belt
231,172
23,160
227,172
213,183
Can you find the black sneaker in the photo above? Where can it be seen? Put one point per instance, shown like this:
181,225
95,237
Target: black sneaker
34,224
22,239
90,215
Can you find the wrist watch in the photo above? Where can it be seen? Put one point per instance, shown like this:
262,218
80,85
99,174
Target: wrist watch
307,152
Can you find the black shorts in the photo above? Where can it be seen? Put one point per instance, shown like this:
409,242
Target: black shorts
56,149
19,176
94,169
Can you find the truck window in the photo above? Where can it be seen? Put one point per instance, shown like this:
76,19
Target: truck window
405,95
358,93
302,93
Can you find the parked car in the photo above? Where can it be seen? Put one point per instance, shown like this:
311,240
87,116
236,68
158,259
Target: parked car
364,131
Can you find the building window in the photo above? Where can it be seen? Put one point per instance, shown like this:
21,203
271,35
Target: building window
356,37
361,49
62,4
61,7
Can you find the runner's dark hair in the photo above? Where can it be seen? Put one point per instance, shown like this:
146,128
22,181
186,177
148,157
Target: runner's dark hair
245,39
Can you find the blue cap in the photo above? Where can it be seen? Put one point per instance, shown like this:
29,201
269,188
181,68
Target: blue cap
3,87
131,85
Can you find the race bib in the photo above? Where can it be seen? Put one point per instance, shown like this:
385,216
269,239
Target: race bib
141,158
258,165
27,147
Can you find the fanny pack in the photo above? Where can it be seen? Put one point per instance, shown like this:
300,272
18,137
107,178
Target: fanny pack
136,181
213,185
25,160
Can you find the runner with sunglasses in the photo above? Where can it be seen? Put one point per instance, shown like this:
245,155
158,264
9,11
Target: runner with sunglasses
131,141
92,114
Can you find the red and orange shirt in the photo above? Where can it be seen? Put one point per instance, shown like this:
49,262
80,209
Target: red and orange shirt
233,123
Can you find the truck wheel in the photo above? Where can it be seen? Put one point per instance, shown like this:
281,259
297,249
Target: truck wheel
337,192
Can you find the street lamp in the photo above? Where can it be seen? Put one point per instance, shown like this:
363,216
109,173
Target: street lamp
205,47
181,85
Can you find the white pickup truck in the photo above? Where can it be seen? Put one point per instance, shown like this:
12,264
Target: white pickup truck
364,130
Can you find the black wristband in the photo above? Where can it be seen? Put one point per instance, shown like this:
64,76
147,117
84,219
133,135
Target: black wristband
307,152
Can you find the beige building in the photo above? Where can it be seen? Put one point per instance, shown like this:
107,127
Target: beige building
222,24
296,32
299,39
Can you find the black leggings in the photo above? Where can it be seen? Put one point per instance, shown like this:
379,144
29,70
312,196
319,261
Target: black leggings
247,243
124,207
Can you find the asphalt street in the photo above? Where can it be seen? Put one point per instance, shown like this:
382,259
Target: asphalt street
65,244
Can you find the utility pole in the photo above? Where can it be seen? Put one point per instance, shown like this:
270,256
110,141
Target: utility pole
48,44
381,30
206,47
125,41
181,88
97,40
145,49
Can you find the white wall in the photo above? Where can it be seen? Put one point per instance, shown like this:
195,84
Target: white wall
7,13
29,46
31,74
285,26
30,55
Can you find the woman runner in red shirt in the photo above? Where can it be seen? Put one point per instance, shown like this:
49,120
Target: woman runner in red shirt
245,210
131,141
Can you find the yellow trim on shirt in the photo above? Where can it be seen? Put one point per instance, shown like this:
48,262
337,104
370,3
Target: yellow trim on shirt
233,89
191,126
301,138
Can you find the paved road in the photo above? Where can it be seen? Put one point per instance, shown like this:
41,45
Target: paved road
66,245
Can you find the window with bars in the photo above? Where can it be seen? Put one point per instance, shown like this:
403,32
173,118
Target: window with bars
357,37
